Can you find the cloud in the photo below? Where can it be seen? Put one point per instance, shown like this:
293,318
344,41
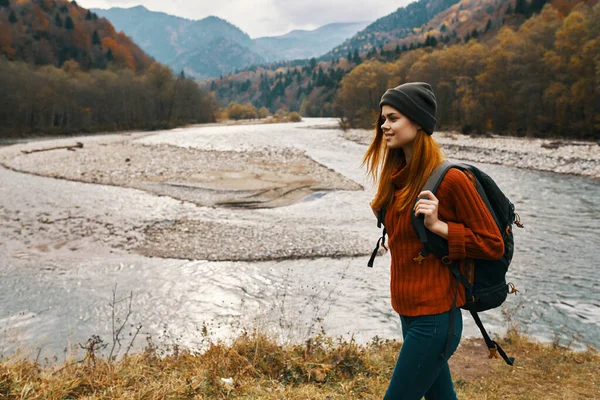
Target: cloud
266,17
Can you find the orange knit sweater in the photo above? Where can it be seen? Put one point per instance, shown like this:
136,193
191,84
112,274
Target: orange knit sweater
428,288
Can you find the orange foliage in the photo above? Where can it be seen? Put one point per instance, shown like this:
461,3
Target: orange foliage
107,28
81,38
121,54
564,7
47,4
6,42
41,22
75,13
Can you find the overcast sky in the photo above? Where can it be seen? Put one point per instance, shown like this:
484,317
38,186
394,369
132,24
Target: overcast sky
266,17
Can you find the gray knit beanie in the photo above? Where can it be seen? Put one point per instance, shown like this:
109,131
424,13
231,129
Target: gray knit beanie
416,101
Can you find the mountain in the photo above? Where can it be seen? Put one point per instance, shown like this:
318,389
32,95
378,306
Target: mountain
312,87
218,57
395,25
188,45
165,36
302,44
51,32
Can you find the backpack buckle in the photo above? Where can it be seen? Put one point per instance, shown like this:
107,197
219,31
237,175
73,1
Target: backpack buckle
446,260
493,352
419,259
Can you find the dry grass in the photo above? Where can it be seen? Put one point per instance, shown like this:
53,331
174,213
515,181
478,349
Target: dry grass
322,368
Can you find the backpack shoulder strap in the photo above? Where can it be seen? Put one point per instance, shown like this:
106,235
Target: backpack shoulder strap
433,182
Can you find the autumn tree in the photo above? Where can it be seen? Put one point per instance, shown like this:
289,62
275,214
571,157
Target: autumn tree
64,100
358,99
6,43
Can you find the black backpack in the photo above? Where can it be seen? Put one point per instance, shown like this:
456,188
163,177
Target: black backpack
489,288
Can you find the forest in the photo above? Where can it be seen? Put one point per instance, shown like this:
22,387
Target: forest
66,100
535,78
64,70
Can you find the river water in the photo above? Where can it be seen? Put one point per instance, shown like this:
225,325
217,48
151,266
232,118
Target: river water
55,293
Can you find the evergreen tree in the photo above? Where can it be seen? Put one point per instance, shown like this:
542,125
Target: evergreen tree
12,18
488,26
443,28
397,49
509,9
58,21
349,57
4,3
536,6
109,56
320,77
88,16
474,34
356,57
69,23
96,39
521,7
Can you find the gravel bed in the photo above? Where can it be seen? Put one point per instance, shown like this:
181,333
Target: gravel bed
235,240
561,156
250,179
225,186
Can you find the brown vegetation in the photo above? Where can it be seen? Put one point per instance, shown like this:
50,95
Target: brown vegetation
51,32
50,100
539,80
532,76
254,366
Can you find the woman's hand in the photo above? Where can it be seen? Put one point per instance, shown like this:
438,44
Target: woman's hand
428,207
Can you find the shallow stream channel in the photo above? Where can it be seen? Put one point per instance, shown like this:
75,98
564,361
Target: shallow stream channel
195,268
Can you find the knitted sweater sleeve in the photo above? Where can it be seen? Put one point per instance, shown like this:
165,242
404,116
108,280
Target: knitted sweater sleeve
473,233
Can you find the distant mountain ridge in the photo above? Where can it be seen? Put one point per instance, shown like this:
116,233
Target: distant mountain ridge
178,42
300,44
166,37
396,25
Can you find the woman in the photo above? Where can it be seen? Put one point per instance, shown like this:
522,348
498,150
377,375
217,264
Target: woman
400,159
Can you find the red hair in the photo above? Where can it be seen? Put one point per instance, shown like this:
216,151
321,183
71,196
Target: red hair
382,162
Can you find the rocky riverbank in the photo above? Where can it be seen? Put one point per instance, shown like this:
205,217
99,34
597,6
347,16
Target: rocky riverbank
561,156
225,185
268,170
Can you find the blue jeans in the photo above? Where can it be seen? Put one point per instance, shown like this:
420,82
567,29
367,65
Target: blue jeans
421,369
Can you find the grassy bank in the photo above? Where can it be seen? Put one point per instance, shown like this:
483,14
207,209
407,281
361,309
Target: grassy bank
256,367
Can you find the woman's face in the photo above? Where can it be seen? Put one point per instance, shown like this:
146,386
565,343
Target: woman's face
398,131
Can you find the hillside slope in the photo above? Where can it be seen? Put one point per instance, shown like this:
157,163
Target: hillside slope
51,32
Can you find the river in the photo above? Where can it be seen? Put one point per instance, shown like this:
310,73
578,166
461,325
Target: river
55,293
